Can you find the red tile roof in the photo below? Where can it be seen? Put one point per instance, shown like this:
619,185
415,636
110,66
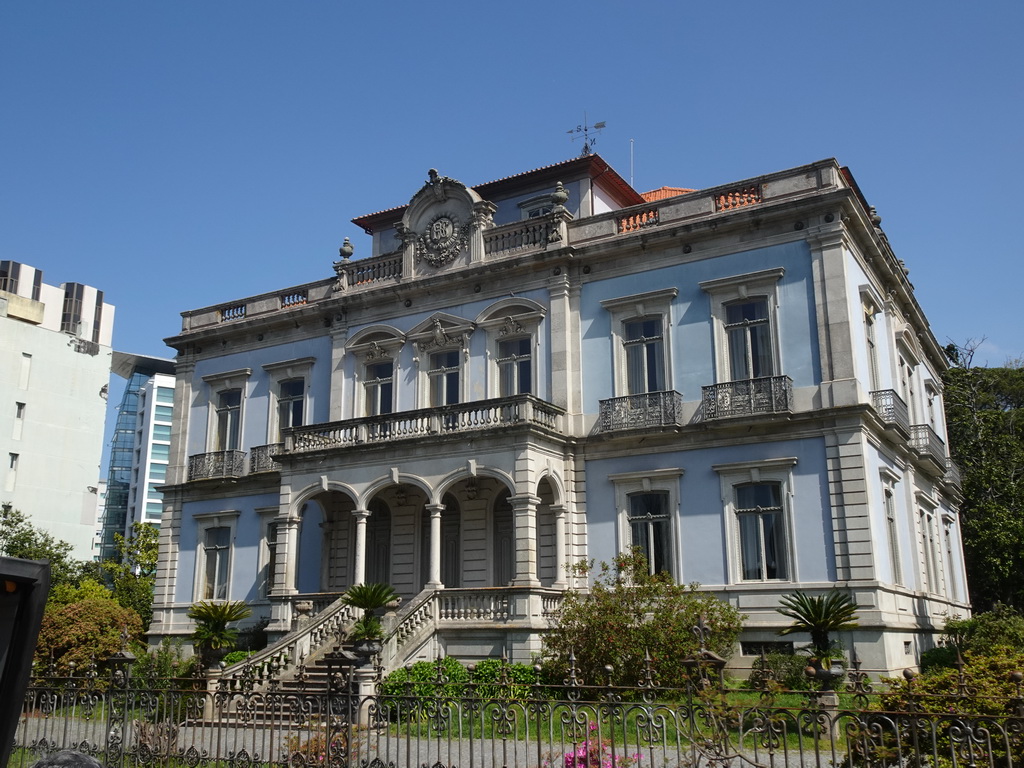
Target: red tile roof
664,192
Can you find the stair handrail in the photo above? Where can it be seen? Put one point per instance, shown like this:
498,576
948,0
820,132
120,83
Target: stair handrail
264,665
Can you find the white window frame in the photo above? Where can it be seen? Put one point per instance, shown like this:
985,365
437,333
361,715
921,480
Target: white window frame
223,382
441,333
502,323
371,346
666,481
225,519
278,374
535,207
734,474
891,521
724,291
640,306
265,561
872,319
929,540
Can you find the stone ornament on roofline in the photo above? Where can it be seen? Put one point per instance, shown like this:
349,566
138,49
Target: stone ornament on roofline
443,240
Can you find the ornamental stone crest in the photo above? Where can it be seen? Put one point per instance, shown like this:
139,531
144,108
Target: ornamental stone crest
444,239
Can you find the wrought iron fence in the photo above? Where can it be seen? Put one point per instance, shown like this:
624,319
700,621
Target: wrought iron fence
353,718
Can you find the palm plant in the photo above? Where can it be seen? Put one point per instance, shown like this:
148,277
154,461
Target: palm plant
819,615
368,598
212,632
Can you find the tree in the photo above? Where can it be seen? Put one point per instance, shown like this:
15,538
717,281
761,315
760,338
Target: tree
19,538
820,616
132,574
368,598
85,631
985,424
212,634
629,612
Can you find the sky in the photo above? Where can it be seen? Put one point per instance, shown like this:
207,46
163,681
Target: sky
182,154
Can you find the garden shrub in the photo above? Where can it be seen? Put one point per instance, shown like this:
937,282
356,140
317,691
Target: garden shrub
497,679
420,680
83,632
629,611
160,667
787,670
236,656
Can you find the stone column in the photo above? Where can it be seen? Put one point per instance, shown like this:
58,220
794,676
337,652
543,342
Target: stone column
524,508
359,571
561,515
284,574
339,335
435,545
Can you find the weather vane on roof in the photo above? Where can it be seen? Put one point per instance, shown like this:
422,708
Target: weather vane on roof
583,132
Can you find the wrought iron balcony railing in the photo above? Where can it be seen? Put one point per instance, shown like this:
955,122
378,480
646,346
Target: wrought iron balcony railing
203,466
259,458
891,408
952,476
928,444
749,397
651,409
498,413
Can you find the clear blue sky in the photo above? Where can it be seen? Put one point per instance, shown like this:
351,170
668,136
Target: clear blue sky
181,154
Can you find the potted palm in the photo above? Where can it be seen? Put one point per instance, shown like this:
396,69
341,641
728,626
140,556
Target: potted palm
212,635
819,616
368,633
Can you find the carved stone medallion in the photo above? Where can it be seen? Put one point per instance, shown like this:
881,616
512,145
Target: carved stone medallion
443,240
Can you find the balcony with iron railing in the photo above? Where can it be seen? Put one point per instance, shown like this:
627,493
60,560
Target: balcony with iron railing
260,458
482,415
748,397
218,464
891,409
952,476
928,445
649,410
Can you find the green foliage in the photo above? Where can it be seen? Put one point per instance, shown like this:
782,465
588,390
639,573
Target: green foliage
157,668
992,692
444,678
985,424
68,593
992,632
236,656
368,598
83,632
497,679
787,671
19,538
212,632
132,573
629,611
819,615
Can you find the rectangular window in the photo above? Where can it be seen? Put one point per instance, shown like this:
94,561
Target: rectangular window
869,334
271,566
649,529
154,509
929,545
19,410
380,388
515,367
291,401
165,395
71,315
951,586
216,552
644,343
162,432
750,343
892,531
158,471
160,452
229,413
762,532
12,471
163,413
9,273
19,421
444,377
26,370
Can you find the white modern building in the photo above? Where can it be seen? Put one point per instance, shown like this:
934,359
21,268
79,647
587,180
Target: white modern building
54,373
140,447
553,367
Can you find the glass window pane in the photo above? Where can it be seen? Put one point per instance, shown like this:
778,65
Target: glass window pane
774,547
750,547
